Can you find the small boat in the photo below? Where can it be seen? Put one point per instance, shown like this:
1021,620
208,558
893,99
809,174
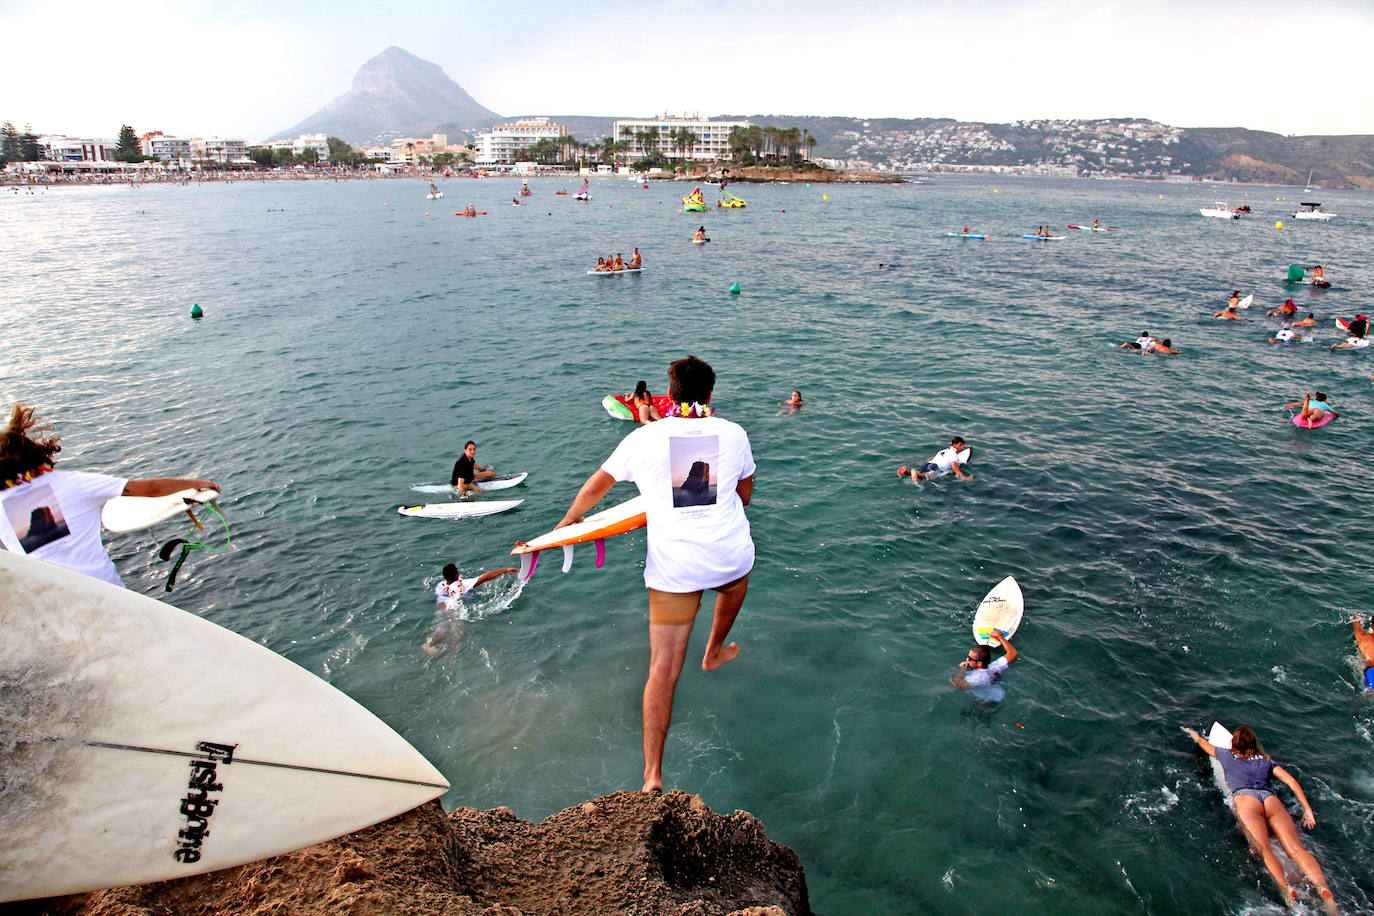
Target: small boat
1313,211
694,202
730,201
582,194
1243,208
564,192
1220,211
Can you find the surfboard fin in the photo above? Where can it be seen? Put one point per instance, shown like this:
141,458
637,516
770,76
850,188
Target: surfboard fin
567,557
528,561
600,552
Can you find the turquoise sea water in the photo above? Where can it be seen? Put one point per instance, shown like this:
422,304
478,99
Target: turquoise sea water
1185,552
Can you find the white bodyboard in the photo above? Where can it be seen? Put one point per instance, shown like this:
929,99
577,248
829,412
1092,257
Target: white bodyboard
460,510
1001,610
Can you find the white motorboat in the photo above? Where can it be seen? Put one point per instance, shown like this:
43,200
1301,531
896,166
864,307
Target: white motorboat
1312,210
1220,211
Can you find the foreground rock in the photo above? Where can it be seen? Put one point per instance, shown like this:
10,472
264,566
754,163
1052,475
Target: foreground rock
626,853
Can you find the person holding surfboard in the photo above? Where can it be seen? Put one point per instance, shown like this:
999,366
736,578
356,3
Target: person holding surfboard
466,470
695,472
1249,773
55,515
981,674
945,461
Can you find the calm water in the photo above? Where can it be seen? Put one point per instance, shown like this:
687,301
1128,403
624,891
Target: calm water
1185,552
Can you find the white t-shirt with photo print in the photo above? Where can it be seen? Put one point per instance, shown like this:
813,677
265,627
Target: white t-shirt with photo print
56,517
686,469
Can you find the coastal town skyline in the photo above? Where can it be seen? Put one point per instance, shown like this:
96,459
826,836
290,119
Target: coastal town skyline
252,69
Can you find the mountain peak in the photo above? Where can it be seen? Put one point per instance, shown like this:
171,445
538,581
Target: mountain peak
396,94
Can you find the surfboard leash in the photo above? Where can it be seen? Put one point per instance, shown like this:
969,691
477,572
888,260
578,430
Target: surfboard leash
194,542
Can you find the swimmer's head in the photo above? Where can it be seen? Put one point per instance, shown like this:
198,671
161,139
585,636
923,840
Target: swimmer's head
980,655
450,573
1244,743
1319,396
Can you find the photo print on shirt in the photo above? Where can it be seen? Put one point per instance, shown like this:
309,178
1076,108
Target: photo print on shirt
36,518
692,469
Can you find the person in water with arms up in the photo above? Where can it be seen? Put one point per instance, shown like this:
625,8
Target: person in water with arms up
1249,775
449,595
696,474
980,674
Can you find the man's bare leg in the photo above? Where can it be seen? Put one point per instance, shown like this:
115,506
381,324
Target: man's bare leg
728,604
667,650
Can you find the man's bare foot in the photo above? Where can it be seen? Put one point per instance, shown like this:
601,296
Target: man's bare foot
722,655
901,471
653,787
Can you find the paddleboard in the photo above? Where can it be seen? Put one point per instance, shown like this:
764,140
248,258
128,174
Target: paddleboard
1246,302
134,513
966,235
460,510
627,516
1046,238
140,743
611,273
499,482
1001,610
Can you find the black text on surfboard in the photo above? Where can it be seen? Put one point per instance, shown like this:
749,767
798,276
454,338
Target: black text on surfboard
197,807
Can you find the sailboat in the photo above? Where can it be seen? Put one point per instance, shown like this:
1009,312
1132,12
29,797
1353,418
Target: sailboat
1309,180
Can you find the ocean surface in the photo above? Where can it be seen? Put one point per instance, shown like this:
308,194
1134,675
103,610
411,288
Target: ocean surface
1185,552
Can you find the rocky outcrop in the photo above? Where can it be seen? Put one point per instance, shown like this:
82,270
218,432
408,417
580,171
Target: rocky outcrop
627,853
1255,171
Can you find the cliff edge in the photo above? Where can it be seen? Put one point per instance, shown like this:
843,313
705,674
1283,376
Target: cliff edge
626,853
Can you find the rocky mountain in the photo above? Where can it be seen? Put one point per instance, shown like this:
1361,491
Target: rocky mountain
1111,147
396,94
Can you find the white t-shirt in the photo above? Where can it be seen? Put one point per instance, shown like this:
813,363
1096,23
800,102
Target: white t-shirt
986,683
56,517
451,594
1284,335
945,458
686,469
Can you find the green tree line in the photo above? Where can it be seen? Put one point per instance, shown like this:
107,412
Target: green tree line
16,146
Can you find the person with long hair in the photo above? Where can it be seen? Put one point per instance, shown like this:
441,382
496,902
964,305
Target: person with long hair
643,401
54,515
1249,773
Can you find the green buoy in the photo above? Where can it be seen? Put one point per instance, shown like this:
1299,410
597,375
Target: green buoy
734,289
195,310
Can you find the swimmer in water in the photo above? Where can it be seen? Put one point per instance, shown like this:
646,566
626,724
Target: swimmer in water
1228,314
792,404
1309,320
1249,776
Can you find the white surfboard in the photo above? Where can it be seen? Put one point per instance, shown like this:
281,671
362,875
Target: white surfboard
134,513
499,482
460,510
1246,302
140,743
1000,610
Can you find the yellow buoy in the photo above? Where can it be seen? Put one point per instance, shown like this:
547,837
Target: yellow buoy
825,197
1279,224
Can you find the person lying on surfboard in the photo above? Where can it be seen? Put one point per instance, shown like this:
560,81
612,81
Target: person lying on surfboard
945,461
466,470
643,401
981,674
1288,308
1163,347
53,515
1311,319
1229,314
1249,776
449,596
1285,334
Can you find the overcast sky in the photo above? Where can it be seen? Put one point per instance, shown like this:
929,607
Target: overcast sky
249,69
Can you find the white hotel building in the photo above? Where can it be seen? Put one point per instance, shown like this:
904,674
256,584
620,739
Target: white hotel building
503,143
713,137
